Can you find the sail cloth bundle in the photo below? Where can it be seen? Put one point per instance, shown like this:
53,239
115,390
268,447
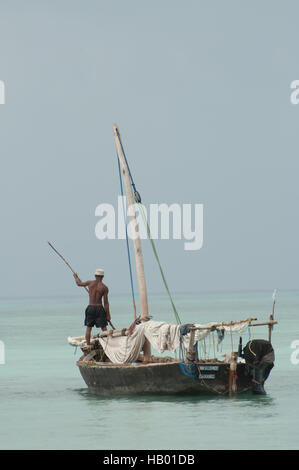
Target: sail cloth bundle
162,336
124,349
119,349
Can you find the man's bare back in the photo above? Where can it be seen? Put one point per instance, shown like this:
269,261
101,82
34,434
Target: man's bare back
97,290
96,313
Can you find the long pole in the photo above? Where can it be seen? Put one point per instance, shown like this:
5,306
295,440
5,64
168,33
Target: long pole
63,259
136,236
70,267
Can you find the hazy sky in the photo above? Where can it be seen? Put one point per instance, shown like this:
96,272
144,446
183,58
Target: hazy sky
201,93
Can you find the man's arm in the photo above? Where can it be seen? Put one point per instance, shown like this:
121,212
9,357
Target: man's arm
106,304
79,282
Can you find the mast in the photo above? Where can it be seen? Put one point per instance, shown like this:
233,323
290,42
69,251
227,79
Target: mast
133,221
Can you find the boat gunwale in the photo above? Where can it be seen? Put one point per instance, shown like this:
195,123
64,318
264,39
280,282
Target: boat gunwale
150,364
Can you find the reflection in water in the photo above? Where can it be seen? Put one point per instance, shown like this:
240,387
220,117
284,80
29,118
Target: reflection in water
246,398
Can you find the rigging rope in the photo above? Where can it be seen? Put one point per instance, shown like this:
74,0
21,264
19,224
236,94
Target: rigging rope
159,264
250,325
138,201
127,242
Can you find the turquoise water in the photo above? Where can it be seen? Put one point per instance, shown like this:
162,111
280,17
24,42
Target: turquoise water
44,402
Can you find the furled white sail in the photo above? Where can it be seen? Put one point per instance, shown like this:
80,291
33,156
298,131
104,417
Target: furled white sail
162,336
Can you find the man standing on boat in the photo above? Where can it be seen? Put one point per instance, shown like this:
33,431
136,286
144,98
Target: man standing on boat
95,314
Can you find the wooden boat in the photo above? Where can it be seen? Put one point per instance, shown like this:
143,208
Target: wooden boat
162,377
148,374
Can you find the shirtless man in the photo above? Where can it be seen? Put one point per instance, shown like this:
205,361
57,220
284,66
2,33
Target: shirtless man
95,313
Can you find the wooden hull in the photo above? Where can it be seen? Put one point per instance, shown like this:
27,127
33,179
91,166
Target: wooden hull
109,379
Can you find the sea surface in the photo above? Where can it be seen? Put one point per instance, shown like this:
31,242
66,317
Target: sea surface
45,404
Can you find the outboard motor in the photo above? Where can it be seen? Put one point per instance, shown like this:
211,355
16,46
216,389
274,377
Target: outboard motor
259,357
